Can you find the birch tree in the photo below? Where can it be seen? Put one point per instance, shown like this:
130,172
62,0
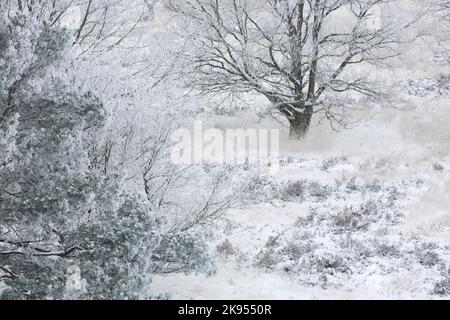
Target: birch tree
299,54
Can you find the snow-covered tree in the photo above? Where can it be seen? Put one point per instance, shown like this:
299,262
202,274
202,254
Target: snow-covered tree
303,56
99,24
68,228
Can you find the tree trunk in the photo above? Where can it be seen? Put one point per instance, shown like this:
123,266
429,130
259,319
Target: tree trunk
300,124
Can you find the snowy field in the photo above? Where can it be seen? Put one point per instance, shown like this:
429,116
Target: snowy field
381,209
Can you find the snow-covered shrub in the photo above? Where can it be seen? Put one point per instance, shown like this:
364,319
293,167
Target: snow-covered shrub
354,219
226,249
260,188
438,167
313,191
429,87
296,190
442,288
300,190
181,252
332,162
266,260
338,243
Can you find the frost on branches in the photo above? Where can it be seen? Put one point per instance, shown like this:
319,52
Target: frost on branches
67,229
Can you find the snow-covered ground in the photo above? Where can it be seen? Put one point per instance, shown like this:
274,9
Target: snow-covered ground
262,251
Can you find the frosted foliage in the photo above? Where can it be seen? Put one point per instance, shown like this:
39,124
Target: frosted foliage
68,229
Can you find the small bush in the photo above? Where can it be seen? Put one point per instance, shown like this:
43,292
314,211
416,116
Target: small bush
303,190
330,163
226,249
438,167
442,288
429,258
294,190
266,260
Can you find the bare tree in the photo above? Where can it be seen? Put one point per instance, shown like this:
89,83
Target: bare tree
299,54
50,9
108,23
102,23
